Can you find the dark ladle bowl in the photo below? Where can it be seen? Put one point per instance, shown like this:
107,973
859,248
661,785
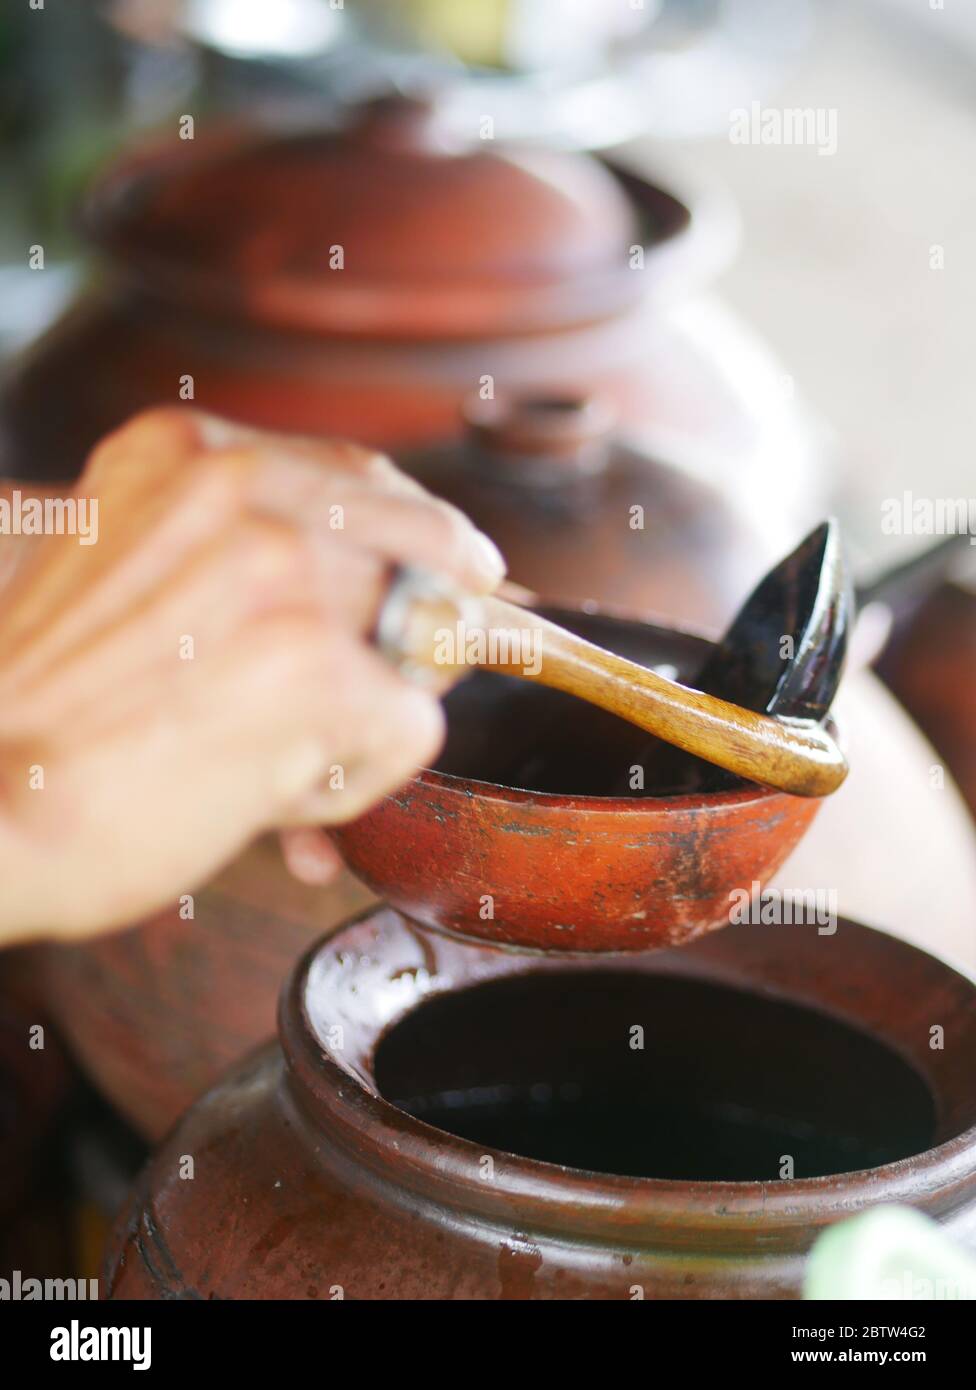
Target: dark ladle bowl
510,839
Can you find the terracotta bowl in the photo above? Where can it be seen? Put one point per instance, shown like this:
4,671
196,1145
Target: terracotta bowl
511,838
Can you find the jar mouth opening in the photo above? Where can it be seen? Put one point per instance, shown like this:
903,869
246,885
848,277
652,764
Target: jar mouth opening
635,1076
399,1089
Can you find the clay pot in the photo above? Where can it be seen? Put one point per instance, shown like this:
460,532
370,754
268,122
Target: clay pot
898,851
536,269
616,1130
513,837
582,516
156,1013
34,1082
36,1091
930,664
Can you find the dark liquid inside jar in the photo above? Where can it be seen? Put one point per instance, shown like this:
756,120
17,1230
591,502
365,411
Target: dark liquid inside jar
726,1086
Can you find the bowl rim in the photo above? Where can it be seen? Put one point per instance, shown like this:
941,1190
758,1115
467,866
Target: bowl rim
744,794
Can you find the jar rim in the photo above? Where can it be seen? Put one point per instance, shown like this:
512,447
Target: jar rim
399,1150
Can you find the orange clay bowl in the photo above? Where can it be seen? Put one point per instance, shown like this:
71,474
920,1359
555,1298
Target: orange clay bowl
512,838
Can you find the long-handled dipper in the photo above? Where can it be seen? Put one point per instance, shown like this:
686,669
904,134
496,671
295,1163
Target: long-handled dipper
762,692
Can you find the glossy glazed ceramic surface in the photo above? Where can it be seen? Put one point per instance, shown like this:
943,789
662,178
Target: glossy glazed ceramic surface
310,1185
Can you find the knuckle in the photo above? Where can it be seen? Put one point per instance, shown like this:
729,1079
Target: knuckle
364,463
451,529
428,728
270,554
160,430
235,464
220,479
413,728
285,650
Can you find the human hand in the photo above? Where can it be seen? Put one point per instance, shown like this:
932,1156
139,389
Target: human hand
204,672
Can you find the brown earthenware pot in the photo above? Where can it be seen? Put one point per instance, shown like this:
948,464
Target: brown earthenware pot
515,837
580,515
157,1012
36,1095
363,283
34,1082
442,1120
930,664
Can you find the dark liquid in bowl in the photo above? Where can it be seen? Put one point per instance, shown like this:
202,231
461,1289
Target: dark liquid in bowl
726,1086
517,734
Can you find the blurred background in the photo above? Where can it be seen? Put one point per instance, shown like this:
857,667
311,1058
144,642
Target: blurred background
833,266
801,341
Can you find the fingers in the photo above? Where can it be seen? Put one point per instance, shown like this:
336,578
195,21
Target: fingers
68,593
310,855
375,506
154,442
419,531
255,568
402,730
328,487
324,724
175,481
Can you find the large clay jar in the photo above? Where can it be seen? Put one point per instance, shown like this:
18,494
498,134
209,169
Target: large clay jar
441,1120
581,515
930,664
156,1013
35,1087
364,282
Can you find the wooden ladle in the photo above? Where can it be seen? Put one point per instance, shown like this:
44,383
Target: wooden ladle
429,627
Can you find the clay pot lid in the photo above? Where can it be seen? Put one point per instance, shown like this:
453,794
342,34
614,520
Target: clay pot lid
435,241
540,438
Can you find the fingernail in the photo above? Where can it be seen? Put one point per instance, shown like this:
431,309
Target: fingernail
218,433
310,857
297,771
489,559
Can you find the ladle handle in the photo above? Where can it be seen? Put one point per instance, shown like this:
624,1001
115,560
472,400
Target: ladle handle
797,756
792,755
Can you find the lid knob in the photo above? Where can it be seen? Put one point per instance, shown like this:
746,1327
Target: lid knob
398,122
543,438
